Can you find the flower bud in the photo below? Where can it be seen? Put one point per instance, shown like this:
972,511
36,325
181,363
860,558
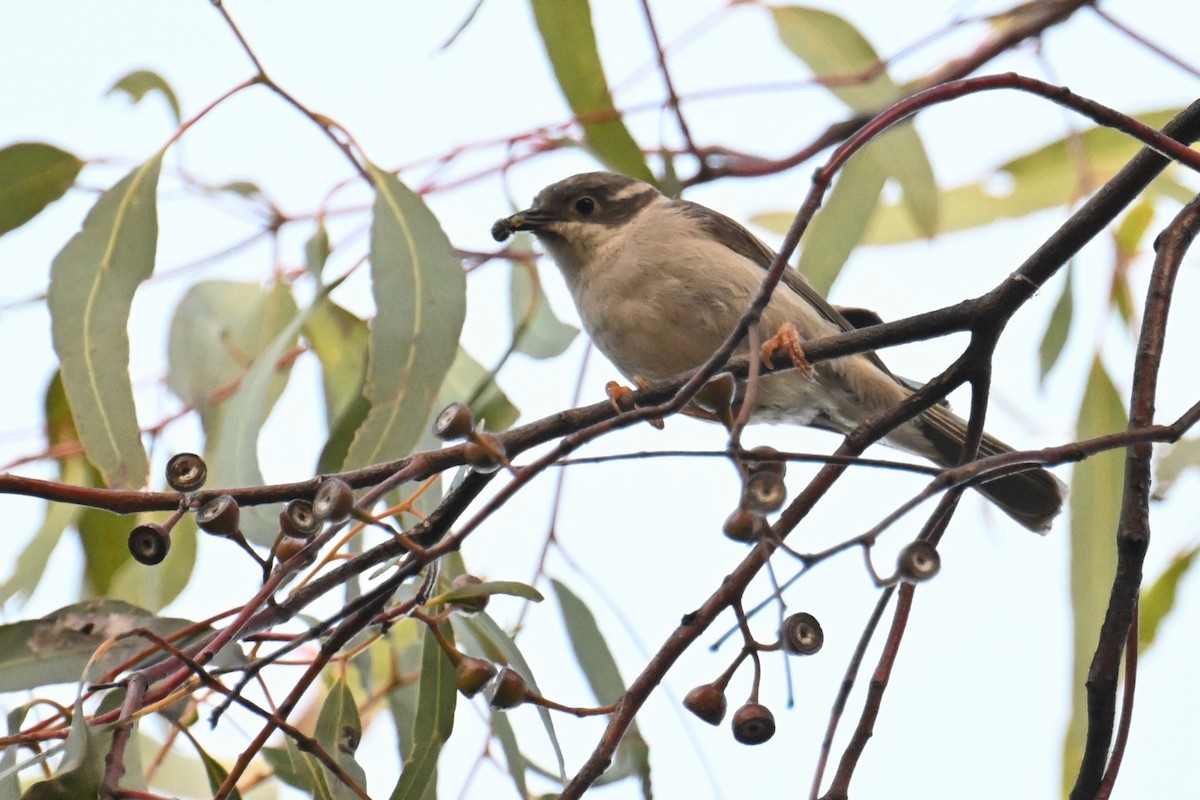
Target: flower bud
472,674
510,690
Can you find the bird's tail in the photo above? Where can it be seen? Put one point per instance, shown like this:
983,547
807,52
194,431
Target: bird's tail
1033,498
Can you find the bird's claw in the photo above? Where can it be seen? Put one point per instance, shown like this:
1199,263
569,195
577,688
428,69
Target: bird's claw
621,399
788,340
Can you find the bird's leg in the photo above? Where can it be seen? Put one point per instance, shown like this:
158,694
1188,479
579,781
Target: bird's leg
619,397
787,339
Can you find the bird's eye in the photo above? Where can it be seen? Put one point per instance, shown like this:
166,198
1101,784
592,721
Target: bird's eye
585,206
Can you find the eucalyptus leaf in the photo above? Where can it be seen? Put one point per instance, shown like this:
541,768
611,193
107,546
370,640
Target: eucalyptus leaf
1158,601
420,295
139,83
433,723
1095,501
32,176
570,42
56,647
1058,328
92,283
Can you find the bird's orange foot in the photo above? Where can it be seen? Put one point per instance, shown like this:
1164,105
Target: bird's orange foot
788,340
621,398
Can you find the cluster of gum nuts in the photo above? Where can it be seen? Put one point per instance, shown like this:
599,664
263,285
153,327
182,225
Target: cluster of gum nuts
299,522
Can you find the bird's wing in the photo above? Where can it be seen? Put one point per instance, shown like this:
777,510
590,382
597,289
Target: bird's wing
741,241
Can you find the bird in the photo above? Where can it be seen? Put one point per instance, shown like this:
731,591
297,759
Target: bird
660,283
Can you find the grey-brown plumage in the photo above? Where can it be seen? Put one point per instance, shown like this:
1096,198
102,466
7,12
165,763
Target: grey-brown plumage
660,283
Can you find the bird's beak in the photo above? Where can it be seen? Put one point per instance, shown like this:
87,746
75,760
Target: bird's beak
528,220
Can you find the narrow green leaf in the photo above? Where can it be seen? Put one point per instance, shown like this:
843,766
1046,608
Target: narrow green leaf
1058,328
1131,231
833,48
503,731
1176,460
536,331
339,340
570,42
1096,490
32,176
141,82
79,773
434,721
92,283
591,651
216,773
632,758
316,250
289,766
837,228
420,296
339,731
1159,600
10,781
512,588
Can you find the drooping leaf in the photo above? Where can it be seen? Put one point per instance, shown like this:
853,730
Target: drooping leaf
420,296
1058,328
433,723
502,729
216,773
838,227
79,773
290,766
1096,490
316,250
536,331
511,588
32,176
1177,459
56,647
339,731
10,781
92,283
339,340
1158,601
566,30
833,48
139,83
218,331
600,668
